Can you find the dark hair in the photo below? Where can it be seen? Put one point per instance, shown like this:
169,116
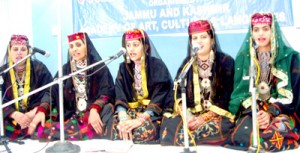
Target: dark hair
209,32
144,40
252,27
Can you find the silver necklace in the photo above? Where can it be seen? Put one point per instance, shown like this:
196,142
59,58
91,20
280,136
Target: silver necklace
138,80
20,83
265,75
204,70
80,86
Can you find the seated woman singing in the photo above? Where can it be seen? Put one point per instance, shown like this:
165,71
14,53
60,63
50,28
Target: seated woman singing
209,83
142,84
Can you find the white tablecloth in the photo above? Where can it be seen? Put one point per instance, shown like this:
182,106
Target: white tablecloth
101,146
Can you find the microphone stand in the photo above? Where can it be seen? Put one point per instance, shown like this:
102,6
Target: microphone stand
3,139
252,90
182,83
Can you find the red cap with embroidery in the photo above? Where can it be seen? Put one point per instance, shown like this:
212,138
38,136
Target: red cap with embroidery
19,40
133,34
199,26
261,18
75,36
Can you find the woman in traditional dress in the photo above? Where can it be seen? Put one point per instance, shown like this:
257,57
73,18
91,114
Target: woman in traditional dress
142,84
209,83
277,82
23,116
88,96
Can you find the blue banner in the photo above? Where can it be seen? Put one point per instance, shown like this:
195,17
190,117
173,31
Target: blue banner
107,18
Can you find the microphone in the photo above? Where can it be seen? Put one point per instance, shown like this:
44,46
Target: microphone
122,51
196,48
37,50
254,44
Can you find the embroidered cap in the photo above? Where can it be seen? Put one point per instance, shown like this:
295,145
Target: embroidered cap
75,36
133,34
261,18
199,26
19,40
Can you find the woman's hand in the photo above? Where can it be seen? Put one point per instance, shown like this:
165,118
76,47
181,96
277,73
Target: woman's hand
194,122
40,117
126,127
263,119
95,121
123,119
22,119
31,113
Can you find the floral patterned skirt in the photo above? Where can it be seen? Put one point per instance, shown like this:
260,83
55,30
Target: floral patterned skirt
213,131
148,133
13,130
280,135
77,127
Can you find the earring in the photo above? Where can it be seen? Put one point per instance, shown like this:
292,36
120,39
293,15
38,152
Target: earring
143,58
211,56
127,58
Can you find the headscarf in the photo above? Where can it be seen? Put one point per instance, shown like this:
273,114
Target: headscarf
92,54
192,87
18,40
156,80
281,56
149,50
15,40
99,82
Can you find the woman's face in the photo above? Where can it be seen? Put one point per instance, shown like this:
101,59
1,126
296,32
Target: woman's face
135,49
18,52
204,40
77,49
262,34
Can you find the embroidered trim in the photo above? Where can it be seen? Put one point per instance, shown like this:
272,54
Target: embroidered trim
197,89
144,79
138,103
221,112
280,87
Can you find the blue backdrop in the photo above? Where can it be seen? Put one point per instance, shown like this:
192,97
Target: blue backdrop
230,17
104,18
